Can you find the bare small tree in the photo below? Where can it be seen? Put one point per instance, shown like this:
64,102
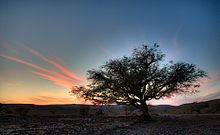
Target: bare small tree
141,77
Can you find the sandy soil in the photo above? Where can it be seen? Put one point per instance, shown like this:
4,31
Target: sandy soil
64,125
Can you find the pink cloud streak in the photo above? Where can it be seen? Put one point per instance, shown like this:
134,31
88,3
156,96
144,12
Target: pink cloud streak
36,66
56,64
64,77
59,81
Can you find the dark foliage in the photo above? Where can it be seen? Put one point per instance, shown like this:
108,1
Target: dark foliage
139,78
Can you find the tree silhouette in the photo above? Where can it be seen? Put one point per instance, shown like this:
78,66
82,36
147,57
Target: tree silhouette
139,78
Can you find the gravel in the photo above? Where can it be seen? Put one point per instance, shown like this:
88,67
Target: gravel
162,125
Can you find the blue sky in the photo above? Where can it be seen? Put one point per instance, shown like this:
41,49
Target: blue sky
84,34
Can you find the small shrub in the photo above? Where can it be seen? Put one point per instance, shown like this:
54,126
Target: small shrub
84,111
22,111
99,112
53,111
7,110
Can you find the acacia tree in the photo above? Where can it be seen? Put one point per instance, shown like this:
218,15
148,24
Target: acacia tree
139,78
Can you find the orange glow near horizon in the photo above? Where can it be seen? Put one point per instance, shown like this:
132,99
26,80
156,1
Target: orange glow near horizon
48,100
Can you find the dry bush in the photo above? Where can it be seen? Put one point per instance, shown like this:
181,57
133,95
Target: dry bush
84,111
22,111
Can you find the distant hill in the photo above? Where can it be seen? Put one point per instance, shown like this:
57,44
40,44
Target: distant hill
212,106
71,109
161,109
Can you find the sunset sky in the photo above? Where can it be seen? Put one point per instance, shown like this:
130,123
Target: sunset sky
47,46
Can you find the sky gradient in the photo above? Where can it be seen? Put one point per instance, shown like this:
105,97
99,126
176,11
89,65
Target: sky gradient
46,47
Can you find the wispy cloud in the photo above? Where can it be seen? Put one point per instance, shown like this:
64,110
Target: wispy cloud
63,77
213,79
36,66
59,81
176,36
56,64
215,95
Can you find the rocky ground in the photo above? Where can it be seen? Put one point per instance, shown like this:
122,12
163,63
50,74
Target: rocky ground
64,125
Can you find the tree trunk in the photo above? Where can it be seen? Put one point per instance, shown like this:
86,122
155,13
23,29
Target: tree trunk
144,109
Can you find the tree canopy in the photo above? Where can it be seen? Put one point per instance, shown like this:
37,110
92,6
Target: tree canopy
140,77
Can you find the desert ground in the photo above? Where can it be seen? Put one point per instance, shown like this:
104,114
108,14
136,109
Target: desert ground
189,119
66,125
